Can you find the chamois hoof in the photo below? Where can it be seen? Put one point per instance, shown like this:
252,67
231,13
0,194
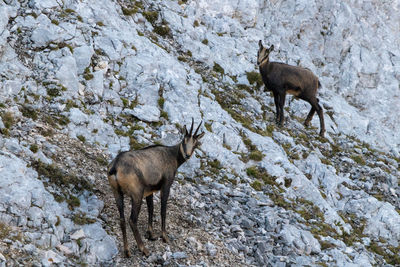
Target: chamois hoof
146,252
127,254
150,236
165,238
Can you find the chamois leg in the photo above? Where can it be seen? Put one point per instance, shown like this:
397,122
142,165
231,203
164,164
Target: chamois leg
309,116
276,100
136,204
164,199
119,198
318,109
282,98
321,119
150,209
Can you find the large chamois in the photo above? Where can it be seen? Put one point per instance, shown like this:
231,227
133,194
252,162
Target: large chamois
282,78
140,173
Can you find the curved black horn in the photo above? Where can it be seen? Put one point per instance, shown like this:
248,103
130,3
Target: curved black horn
191,127
198,127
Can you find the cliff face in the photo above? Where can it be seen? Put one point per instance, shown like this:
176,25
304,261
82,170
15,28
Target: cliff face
83,80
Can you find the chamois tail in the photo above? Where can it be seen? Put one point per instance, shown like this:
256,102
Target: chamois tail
112,171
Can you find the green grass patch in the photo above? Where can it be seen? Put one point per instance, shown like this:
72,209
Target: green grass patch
254,78
256,155
102,160
8,119
358,159
29,112
218,68
208,126
257,185
73,202
81,138
262,175
34,148
5,231
59,177
151,16
161,102
81,219
164,114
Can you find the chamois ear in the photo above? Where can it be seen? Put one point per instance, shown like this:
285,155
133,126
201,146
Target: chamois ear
260,44
271,48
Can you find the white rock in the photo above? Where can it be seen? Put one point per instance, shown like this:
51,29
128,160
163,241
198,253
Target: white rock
146,113
41,4
68,74
50,258
83,56
78,234
77,116
65,250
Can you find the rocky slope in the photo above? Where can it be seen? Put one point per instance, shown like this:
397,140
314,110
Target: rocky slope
83,80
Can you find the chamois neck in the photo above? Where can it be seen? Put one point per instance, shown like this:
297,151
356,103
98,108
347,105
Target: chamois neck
180,159
264,62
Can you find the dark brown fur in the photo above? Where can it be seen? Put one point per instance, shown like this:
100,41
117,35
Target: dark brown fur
282,78
142,172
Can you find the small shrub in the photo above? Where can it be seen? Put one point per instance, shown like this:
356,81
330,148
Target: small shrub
29,112
81,138
129,11
252,171
5,231
208,126
161,102
53,92
182,58
164,114
261,174
73,202
162,30
151,16
257,185
358,159
216,164
256,155
101,160
254,78
218,68
34,148
135,144
59,177
326,245
205,41
81,219
8,119
87,74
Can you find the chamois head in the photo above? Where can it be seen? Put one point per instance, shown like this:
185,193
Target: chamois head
263,52
190,142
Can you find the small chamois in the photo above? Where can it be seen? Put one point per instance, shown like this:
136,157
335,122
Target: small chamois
140,173
282,78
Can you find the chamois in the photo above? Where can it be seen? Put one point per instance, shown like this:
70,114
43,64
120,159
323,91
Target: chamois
282,78
140,173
